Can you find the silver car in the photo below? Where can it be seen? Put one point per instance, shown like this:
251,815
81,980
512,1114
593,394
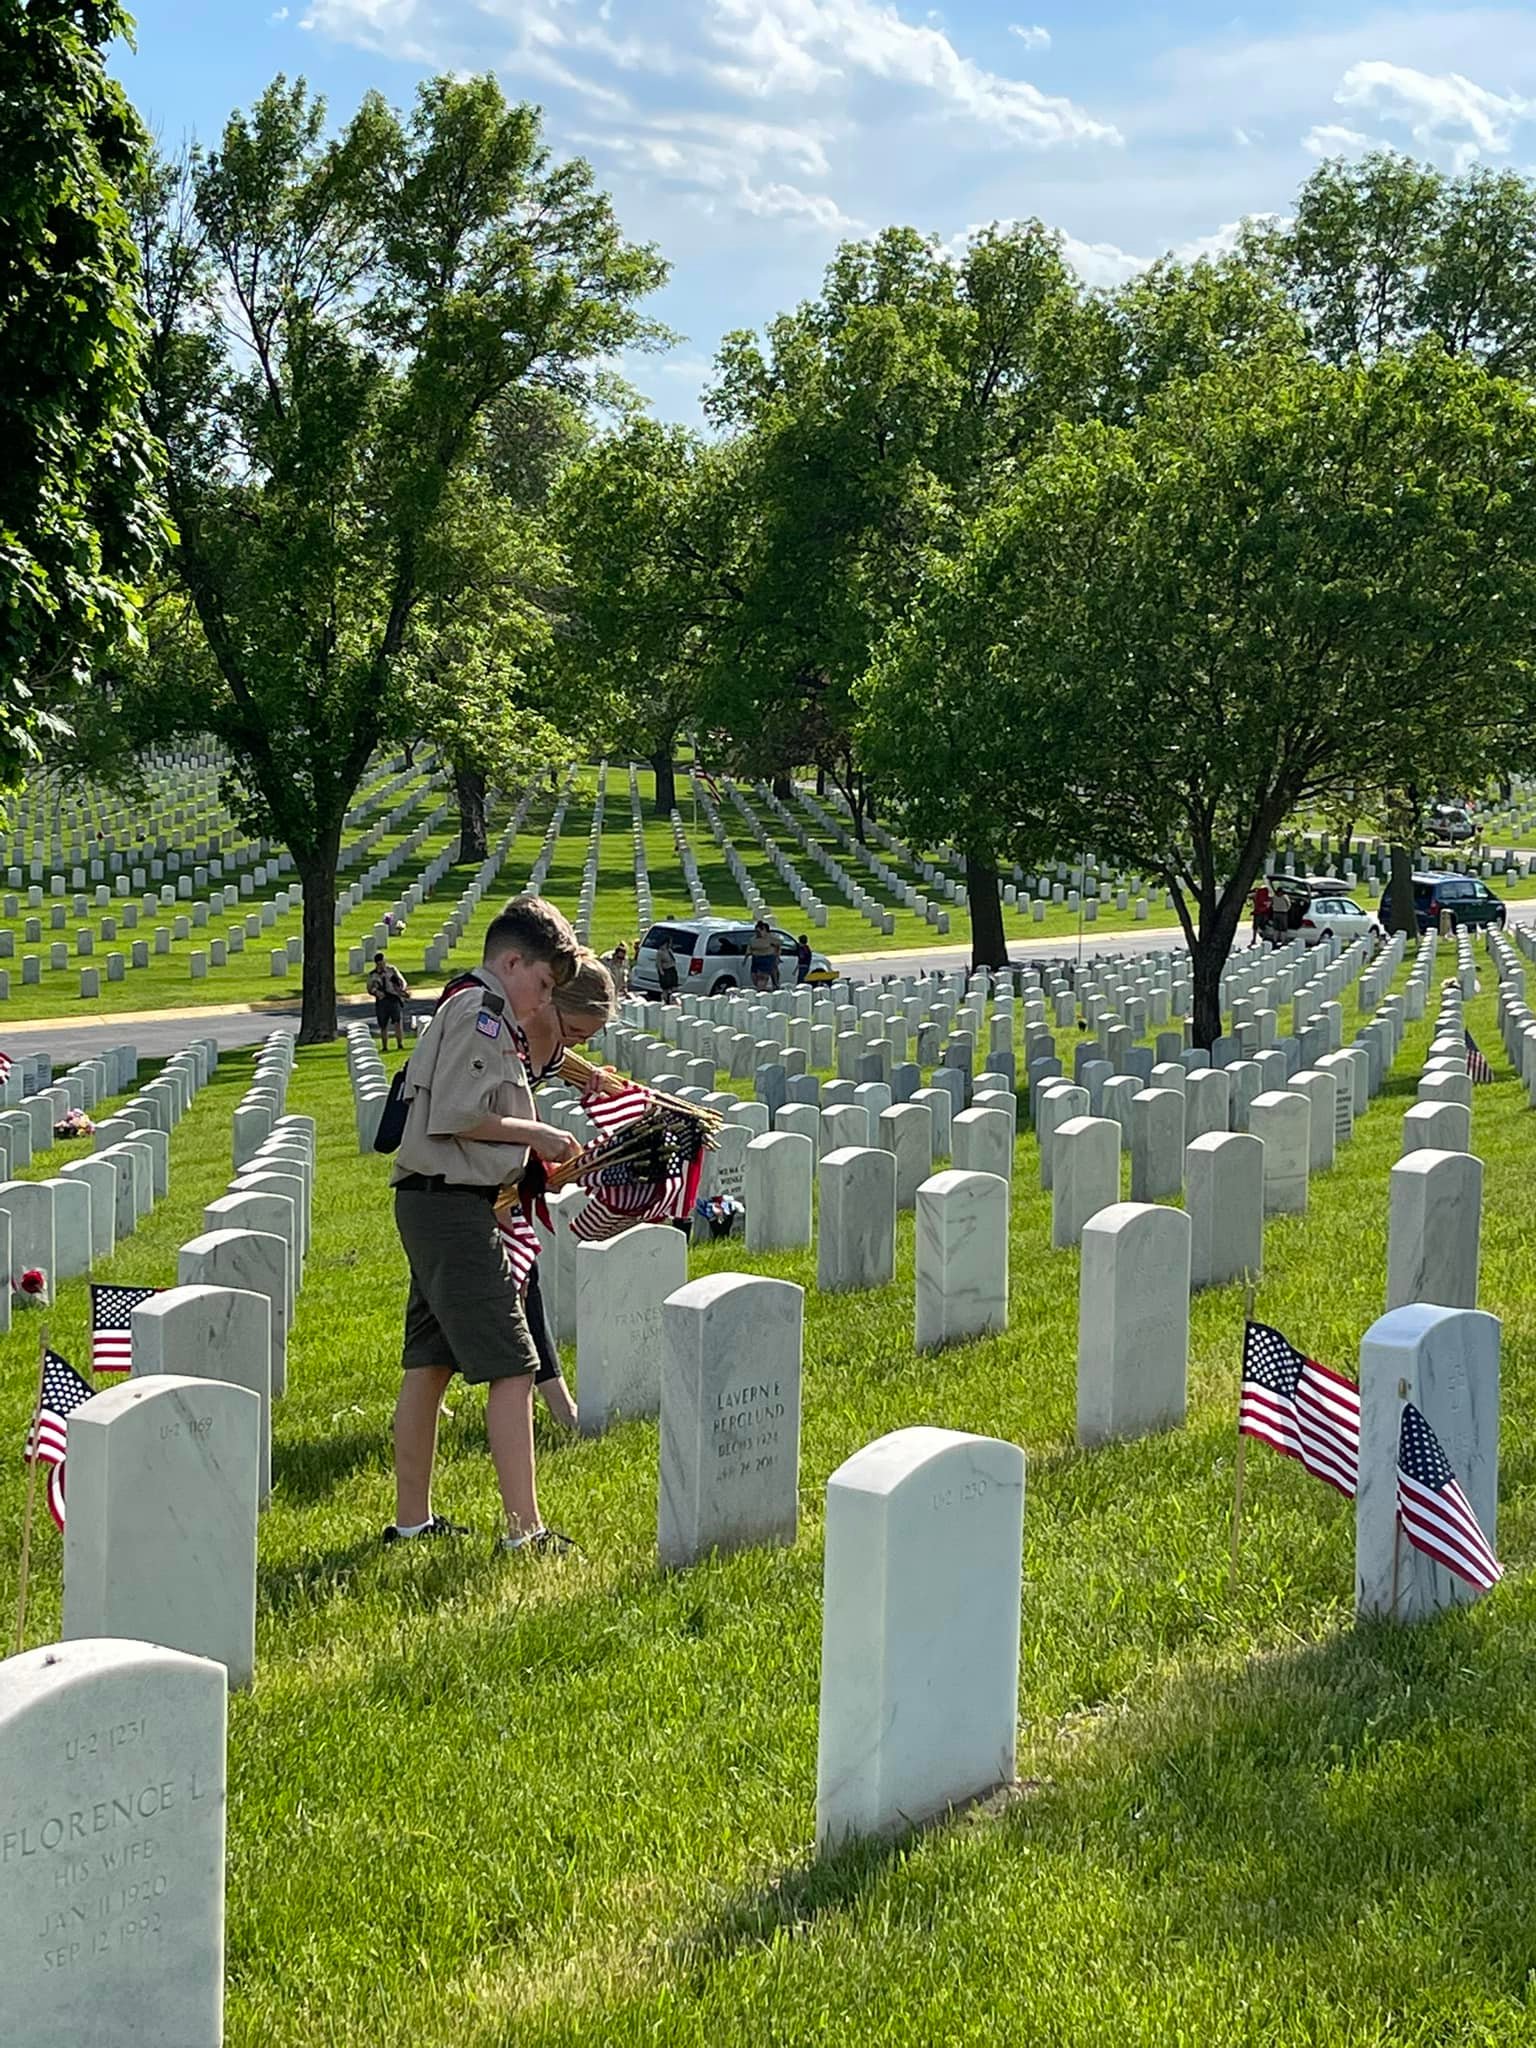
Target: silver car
711,955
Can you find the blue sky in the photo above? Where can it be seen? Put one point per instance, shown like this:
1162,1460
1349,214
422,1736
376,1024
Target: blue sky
748,137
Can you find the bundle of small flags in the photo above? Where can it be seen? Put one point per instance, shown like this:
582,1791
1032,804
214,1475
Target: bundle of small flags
63,1391
1310,1413
1477,1065
112,1325
644,1167
5,1066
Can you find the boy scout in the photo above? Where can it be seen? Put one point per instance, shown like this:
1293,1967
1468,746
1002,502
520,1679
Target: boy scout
469,1126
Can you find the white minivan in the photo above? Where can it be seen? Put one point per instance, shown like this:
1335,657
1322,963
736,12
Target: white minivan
711,954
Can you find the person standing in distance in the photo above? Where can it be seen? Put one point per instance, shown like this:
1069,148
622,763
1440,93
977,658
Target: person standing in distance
469,1127
387,986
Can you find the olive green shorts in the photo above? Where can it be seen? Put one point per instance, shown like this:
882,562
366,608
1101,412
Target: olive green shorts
464,1309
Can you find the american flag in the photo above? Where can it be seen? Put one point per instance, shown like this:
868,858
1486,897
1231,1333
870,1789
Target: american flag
519,1244
112,1325
1300,1408
619,1202
5,1066
617,1112
703,776
1435,1514
1477,1066
47,1439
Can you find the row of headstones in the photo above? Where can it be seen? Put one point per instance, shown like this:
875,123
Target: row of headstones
693,881
545,858
587,895
177,801
637,850
853,893
807,899
265,1098
35,1102
356,893
169,1468
370,1083
65,1225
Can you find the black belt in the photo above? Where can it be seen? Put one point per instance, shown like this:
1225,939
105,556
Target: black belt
435,1184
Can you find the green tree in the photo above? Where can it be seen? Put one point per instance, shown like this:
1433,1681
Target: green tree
80,517
334,323
647,524
875,419
1383,253
1285,579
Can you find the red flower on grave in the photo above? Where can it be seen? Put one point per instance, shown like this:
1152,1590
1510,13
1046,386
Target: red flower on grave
34,1282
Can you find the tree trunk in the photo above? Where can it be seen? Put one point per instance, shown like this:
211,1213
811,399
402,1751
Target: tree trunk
1206,960
1400,912
821,780
410,753
666,781
989,942
469,783
783,788
317,872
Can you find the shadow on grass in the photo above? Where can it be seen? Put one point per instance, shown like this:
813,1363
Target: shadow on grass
306,1471
1354,1802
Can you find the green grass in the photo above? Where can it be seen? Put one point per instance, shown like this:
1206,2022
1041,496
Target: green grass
475,1804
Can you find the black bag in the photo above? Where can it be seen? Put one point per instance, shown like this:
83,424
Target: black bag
392,1117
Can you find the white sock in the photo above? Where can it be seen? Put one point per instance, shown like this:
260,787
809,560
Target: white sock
517,1542
413,1528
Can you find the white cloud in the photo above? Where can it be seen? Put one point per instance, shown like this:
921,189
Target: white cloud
1328,138
281,14
1242,138
1031,38
1436,110
807,46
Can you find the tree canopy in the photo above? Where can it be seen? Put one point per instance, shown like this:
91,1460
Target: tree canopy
334,324
80,512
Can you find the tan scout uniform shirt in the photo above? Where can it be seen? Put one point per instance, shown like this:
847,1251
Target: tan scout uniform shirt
466,1066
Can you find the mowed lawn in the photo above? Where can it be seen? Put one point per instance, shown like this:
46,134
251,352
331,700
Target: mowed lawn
480,1803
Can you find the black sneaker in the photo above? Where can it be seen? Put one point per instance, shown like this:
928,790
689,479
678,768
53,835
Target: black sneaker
543,1543
438,1526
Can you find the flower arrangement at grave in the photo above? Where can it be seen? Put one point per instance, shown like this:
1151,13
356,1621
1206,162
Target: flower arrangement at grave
720,1212
74,1124
31,1287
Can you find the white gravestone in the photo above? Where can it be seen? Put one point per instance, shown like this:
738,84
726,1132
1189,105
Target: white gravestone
1284,1122
962,1258
1321,1091
160,1542
620,1289
1224,1199
730,1416
1133,1323
213,1333
1085,1175
725,1167
111,1847
1446,1362
1157,1143
780,1167
906,1132
856,1219
250,1262
73,1246
1434,1222
268,1215
981,1141
1437,1127
920,1630
29,1204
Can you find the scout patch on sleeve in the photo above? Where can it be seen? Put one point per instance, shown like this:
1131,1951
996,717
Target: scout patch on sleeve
488,1024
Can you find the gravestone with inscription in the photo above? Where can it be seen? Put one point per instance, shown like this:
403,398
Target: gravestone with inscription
111,1847
620,1288
920,1630
160,1541
730,1415
214,1333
